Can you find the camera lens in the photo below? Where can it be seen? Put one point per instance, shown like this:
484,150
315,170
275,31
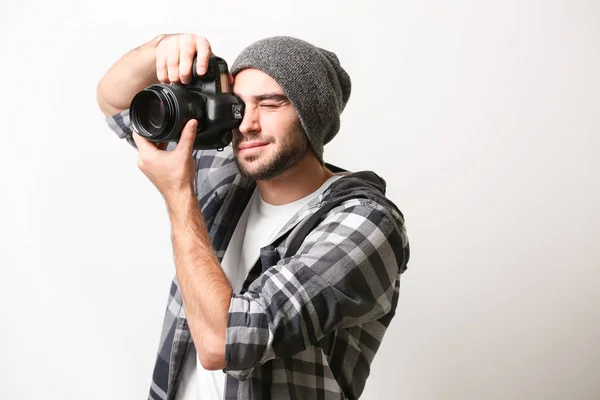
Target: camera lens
160,111
153,114
156,112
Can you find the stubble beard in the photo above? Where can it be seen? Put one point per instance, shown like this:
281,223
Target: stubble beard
292,150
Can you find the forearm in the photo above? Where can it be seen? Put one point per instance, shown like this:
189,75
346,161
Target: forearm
132,73
205,290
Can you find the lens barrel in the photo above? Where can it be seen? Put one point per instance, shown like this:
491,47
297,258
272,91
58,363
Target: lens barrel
160,111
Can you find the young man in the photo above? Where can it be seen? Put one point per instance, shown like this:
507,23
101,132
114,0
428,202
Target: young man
287,268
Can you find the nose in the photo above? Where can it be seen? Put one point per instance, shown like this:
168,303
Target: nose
250,123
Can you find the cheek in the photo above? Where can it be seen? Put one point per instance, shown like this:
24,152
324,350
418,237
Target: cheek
279,124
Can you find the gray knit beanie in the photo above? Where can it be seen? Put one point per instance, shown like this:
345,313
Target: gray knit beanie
312,79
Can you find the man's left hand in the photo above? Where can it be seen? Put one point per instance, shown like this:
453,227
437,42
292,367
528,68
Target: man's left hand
172,172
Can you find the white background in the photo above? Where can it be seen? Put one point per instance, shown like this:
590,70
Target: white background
483,117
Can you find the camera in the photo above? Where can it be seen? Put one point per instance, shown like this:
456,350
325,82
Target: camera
160,111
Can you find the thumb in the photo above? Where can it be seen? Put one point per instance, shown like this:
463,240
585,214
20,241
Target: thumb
188,135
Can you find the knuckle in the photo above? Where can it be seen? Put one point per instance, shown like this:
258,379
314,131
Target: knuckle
186,38
164,44
188,48
161,45
203,42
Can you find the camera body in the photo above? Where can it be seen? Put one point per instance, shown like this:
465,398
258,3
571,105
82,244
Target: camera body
160,111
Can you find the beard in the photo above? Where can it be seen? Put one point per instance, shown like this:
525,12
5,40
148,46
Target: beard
291,150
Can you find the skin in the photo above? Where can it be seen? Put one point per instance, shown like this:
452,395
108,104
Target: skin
269,118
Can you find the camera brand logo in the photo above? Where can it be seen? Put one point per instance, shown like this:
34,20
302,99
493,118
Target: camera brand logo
237,111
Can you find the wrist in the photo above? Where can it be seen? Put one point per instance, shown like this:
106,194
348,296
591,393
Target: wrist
181,201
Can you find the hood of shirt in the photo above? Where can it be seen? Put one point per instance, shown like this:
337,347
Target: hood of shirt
368,185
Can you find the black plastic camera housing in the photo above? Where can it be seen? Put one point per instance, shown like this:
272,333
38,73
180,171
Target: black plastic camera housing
160,111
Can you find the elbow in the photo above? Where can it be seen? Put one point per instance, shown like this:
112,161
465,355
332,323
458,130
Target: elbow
212,364
212,353
101,99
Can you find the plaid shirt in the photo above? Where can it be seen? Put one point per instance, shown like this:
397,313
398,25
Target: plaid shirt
308,321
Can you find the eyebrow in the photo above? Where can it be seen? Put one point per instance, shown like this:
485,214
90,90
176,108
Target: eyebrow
271,96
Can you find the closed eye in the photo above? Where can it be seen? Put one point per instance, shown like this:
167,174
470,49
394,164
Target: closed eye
271,100
270,105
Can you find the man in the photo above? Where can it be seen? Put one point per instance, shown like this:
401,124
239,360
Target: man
287,268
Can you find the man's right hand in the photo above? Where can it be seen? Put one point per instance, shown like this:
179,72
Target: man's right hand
175,55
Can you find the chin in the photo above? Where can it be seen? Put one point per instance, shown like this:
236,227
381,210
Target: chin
250,165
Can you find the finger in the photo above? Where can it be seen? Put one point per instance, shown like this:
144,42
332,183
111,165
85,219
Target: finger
173,62
204,52
188,135
186,58
161,66
143,144
231,79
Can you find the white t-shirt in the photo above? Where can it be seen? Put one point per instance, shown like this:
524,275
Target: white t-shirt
258,225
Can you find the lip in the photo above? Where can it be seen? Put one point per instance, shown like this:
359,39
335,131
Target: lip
252,145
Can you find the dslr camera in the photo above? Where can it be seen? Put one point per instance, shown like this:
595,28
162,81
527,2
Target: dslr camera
159,112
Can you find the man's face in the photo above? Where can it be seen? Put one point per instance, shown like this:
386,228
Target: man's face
270,139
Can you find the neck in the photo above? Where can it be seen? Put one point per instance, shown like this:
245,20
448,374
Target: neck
295,183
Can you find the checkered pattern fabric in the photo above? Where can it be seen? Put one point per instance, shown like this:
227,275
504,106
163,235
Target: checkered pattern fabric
305,325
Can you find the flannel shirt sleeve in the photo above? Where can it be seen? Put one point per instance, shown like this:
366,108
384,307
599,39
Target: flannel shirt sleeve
343,275
121,125
206,161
